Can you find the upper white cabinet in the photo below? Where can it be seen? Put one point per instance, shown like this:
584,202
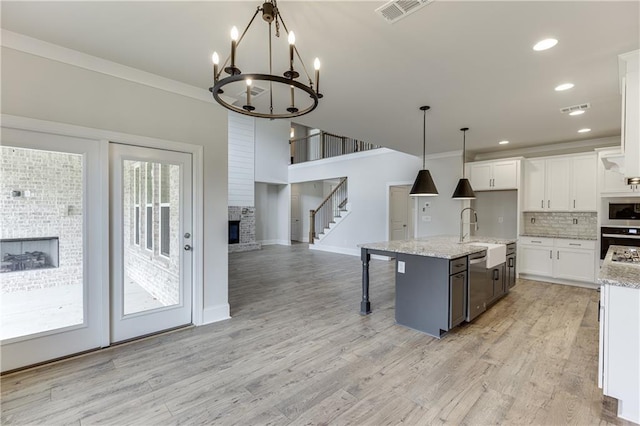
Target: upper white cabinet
563,183
612,179
630,88
494,175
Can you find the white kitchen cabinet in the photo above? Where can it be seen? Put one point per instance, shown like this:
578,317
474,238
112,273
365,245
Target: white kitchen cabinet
630,89
612,179
584,181
562,183
558,185
494,175
559,258
536,260
619,349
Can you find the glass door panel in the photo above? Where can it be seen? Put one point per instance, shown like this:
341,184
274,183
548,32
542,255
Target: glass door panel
151,222
47,220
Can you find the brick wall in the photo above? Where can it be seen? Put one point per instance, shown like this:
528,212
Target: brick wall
53,208
159,275
580,225
247,217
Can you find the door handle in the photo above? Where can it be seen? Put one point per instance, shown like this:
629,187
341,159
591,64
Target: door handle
187,247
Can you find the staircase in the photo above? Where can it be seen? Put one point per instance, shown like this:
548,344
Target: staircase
332,210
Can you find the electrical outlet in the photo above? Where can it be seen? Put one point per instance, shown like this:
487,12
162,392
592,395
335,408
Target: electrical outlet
500,219
400,267
426,218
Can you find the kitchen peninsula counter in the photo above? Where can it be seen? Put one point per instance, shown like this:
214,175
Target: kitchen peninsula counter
431,279
619,355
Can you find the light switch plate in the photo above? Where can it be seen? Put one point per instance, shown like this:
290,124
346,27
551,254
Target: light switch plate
400,267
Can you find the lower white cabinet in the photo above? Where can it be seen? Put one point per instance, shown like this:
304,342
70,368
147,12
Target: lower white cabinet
561,258
619,355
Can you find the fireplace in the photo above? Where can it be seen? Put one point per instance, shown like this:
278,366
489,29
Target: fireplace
234,232
23,254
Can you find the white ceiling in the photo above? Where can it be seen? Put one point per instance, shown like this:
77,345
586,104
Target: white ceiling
471,61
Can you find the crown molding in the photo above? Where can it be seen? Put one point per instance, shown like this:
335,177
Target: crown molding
552,149
64,55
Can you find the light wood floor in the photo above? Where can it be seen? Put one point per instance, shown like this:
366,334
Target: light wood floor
297,352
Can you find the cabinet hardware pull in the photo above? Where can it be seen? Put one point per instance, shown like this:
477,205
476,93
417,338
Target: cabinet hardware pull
550,254
542,204
574,244
574,204
558,254
548,204
535,241
511,262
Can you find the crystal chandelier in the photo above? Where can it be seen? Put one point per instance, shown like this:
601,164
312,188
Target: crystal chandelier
287,97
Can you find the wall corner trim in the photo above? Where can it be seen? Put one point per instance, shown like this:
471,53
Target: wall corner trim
216,313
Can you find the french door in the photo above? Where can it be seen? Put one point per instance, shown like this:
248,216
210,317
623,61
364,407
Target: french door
53,236
151,260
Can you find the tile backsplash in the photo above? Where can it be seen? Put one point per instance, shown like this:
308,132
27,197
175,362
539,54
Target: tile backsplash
582,225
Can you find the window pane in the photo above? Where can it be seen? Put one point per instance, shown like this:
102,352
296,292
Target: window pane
149,183
164,183
41,241
165,230
149,229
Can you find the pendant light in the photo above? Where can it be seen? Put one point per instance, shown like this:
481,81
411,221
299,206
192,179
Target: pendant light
463,190
424,186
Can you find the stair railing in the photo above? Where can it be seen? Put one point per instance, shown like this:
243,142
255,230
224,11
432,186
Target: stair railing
328,210
325,145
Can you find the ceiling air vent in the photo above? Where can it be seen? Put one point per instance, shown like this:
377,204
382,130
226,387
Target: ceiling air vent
580,107
255,91
395,10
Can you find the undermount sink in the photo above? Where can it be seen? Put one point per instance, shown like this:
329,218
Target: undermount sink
496,253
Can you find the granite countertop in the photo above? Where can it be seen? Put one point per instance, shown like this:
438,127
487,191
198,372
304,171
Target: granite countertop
567,237
619,273
441,246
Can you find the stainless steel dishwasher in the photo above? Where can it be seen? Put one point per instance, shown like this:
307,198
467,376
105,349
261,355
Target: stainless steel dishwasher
477,285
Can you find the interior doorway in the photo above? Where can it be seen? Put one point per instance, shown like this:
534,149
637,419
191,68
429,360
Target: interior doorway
401,213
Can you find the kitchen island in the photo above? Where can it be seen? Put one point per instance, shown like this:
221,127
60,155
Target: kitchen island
619,355
432,280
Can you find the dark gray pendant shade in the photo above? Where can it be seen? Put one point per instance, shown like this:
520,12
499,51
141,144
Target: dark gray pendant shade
424,185
463,190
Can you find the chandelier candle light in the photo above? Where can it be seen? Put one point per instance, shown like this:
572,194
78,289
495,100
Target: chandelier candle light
276,106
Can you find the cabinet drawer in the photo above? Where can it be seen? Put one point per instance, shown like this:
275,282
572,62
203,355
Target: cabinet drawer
511,248
536,241
577,244
457,265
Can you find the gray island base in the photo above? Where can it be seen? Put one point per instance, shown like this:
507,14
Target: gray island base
432,280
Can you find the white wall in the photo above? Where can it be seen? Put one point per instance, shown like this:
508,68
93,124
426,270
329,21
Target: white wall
241,160
272,213
443,211
368,174
45,89
272,150
311,195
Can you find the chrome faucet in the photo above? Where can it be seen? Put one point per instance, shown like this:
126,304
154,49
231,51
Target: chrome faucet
475,222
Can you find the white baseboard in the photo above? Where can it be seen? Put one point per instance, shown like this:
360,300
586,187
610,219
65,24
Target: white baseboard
215,313
275,242
552,280
330,249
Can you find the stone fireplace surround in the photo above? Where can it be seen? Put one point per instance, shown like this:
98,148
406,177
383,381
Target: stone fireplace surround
247,217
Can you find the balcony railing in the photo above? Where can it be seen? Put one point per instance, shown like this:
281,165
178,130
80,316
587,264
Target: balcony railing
325,145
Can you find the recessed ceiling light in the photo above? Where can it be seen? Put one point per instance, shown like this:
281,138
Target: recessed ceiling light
584,130
503,142
545,44
564,86
578,112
